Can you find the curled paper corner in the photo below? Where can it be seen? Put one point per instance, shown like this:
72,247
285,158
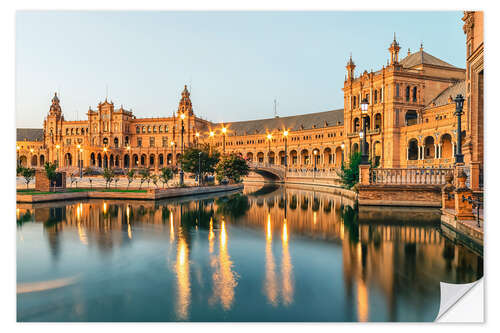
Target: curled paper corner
451,293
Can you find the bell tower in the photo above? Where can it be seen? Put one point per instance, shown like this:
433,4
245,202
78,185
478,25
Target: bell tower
350,68
53,122
394,50
185,105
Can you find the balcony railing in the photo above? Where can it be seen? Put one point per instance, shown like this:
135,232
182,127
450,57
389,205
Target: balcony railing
412,176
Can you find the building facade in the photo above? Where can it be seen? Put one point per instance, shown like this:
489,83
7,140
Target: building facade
410,123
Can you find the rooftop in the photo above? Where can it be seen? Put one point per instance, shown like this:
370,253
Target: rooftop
422,57
29,134
292,123
444,96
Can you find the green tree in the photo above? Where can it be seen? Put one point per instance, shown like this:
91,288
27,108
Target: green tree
232,167
145,174
154,180
19,169
349,174
130,177
50,171
108,176
28,174
166,175
199,160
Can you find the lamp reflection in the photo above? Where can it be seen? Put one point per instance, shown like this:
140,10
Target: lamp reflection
183,283
286,269
172,234
224,278
270,283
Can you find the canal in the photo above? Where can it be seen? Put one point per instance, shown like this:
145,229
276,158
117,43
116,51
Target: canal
268,253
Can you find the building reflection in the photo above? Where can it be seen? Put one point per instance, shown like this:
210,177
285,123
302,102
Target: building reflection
377,253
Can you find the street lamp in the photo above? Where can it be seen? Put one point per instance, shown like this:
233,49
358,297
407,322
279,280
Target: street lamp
197,138
199,168
129,158
269,138
57,155
81,163
315,152
80,150
362,135
212,133
224,130
285,135
342,146
181,172
459,102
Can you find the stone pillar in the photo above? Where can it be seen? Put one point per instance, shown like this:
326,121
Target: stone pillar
407,153
463,209
364,174
447,193
474,176
453,149
435,151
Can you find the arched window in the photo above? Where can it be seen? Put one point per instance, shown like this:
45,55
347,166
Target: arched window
116,142
160,128
154,129
143,129
149,129
105,141
378,120
413,150
137,129
356,125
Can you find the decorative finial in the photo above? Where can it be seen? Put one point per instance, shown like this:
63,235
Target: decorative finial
394,35
408,51
421,46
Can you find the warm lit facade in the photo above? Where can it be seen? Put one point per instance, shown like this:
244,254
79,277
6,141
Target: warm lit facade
410,118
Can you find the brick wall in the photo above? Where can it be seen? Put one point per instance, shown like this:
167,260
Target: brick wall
400,195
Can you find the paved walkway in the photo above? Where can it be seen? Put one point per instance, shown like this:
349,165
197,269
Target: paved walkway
99,182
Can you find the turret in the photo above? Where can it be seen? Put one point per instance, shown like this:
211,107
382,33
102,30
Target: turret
350,68
394,50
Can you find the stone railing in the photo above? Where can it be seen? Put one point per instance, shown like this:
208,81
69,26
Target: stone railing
412,176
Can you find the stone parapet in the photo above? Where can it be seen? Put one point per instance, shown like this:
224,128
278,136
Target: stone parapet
399,195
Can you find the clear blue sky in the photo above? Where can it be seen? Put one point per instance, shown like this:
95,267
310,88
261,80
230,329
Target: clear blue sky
237,63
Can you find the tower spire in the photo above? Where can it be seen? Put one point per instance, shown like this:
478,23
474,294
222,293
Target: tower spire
394,50
350,67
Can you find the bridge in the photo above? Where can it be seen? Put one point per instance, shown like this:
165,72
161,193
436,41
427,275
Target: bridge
268,170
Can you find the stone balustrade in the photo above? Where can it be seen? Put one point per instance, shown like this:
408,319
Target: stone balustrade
411,176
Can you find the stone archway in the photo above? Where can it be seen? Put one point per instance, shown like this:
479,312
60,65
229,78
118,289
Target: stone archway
23,161
446,146
34,161
429,147
67,160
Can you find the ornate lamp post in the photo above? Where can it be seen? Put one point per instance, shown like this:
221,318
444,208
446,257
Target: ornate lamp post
212,133
459,102
80,150
269,138
342,146
105,149
224,130
197,135
199,168
285,135
362,135
181,172
57,155
129,157
315,153
172,149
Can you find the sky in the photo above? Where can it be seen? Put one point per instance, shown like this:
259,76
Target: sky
235,63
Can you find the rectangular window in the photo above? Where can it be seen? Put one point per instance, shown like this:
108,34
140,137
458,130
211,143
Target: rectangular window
139,142
151,141
396,117
397,90
164,141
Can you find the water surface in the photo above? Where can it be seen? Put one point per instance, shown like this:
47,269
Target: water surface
268,254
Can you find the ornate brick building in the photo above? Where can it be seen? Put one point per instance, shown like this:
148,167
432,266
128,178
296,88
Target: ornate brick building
410,119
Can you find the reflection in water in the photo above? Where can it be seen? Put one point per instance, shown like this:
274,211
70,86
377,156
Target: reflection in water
286,269
183,283
360,258
224,279
271,286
